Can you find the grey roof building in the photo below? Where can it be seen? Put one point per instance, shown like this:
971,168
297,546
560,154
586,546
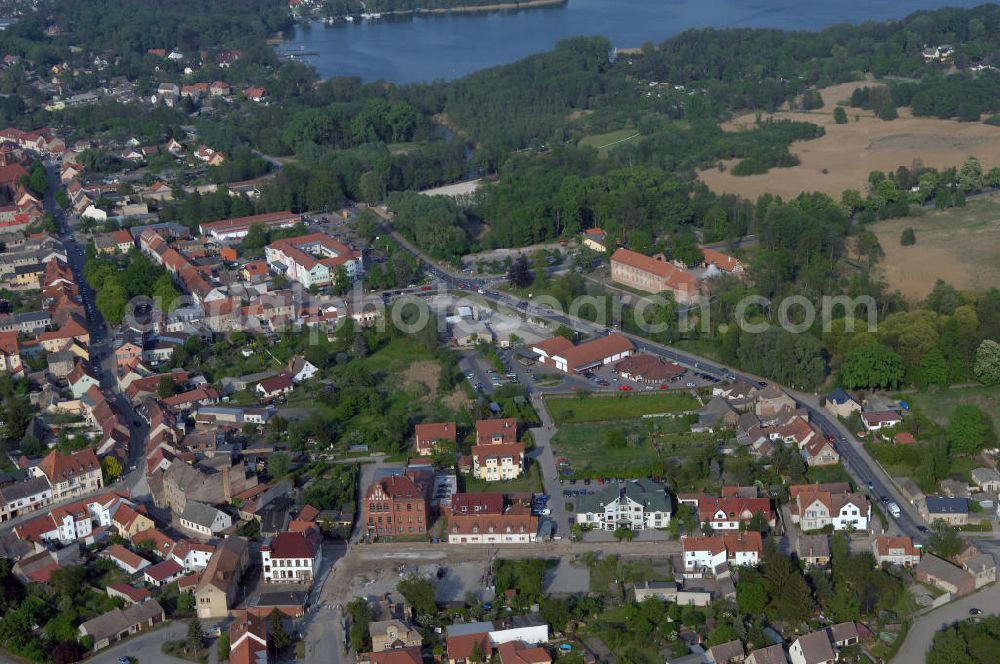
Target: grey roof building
635,504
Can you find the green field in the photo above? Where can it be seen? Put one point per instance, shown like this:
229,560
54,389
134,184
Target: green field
648,446
621,406
604,142
939,405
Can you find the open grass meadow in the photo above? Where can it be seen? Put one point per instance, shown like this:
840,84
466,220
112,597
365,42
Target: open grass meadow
612,407
938,405
629,448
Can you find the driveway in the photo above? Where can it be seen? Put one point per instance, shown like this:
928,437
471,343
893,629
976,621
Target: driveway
921,634
145,647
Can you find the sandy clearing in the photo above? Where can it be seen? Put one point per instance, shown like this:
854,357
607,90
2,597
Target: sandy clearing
425,372
849,152
960,245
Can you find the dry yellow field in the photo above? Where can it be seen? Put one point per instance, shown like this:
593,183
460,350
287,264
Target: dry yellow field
959,245
850,151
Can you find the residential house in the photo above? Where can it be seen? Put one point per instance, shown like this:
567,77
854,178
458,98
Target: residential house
813,508
255,93
117,624
635,504
560,353
812,648
733,513
895,550
204,519
717,262
771,401
220,582
653,275
595,239
477,503
292,557
515,527
943,575
462,648
393,635
953,511
730,652
498,461
248,639
491,432
841,404
163,573
274,387
128,594
710,553
192,554
814,550
987,479
70,475
519,652
126,560
844,635
301,369
774,654
24,497
880,419
398,504
820,452
427,435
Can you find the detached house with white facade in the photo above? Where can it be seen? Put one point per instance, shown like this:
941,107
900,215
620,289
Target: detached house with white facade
815,506
636,505
291,557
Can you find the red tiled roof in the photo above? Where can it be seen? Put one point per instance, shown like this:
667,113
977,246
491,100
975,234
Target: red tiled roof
468,524
672,276
432,431
720,260
164,570
58,467
504,428
477,503
460,647
291,545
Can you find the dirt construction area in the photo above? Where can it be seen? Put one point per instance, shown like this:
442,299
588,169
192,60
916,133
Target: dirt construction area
843,157
958,245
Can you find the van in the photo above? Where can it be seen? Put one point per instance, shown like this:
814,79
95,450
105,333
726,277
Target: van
894,510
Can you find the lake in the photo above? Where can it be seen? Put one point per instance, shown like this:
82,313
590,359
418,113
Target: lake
429,47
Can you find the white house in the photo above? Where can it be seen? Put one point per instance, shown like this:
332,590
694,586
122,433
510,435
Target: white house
192,555
812,648
301,369
880,419
637,505
95,213
292,557
743,548
126,560
204,519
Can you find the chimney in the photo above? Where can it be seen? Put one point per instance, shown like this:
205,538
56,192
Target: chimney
227,493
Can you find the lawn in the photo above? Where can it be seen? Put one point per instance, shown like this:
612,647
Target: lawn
590,408
605,571
596,450
938,405
531,481
604,142
825,474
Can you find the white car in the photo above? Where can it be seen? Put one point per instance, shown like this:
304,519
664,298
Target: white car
543,512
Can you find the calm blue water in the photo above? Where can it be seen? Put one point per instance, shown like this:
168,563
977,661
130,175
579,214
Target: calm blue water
424,48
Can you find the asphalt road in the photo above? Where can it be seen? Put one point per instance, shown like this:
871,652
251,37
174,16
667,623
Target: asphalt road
145,646
921,635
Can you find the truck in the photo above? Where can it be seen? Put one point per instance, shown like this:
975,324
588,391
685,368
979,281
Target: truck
894,510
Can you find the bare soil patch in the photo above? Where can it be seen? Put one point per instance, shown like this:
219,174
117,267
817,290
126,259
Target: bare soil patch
457,400
958,245
848,152
424,373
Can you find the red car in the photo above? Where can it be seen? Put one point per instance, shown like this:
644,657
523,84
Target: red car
463,286
624,388
663,386
425,288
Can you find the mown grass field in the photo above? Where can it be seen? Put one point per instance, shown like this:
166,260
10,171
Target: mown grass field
621,406
649,444
938,405
604,142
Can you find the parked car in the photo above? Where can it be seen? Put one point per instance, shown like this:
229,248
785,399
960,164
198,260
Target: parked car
624,388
